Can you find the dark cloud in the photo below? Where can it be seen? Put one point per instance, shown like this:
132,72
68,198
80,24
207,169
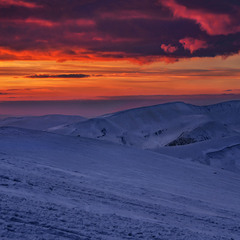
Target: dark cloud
91,29
59,76
221,6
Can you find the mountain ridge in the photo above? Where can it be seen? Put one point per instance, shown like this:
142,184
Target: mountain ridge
158,125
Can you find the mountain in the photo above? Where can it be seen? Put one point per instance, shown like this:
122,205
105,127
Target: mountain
161,125
40,122
62,187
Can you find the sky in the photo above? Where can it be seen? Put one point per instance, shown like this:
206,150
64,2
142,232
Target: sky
91,57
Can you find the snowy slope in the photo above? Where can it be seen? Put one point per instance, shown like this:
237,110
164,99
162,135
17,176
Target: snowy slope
63,187
226,158
206,131
41,122
160,125
222,153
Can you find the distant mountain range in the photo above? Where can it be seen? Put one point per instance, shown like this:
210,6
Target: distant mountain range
168,124
198,133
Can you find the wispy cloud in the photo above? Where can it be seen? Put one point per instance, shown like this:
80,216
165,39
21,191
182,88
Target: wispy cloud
19,3
58,76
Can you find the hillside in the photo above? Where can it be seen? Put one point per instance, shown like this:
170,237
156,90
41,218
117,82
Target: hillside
63,187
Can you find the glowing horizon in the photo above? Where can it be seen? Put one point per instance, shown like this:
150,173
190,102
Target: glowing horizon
42,80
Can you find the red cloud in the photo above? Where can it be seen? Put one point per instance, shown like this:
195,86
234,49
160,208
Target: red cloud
141,31
127,14
212,23
193,44
168,48
47,23
62,56
18,3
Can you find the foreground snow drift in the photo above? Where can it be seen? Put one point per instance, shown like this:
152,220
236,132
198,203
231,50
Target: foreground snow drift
61,187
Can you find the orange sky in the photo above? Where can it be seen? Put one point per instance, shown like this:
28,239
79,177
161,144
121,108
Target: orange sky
118,78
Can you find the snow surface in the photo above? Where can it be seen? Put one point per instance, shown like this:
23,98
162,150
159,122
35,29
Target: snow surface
63,187
200,152
57,184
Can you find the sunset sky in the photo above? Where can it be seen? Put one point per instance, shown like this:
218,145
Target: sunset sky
91,57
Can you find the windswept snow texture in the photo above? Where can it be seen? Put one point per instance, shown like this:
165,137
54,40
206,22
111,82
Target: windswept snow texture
168,124
206,131
63,187
45,123
227,158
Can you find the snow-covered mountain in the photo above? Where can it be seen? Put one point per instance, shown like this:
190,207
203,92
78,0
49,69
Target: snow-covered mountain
59,186
165,124
197,130
41,122
62,187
